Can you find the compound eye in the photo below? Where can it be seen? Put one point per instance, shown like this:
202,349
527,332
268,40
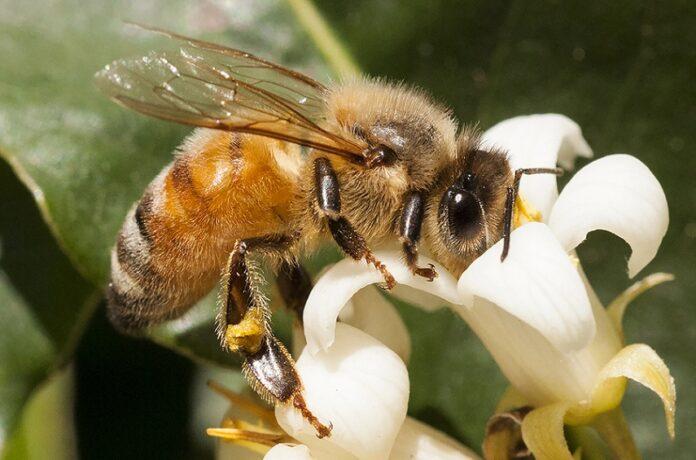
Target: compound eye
464,215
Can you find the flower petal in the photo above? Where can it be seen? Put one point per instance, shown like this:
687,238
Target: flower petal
523,356
370,312
542,431
418,441
617,307
418,298
344,279
510,399
537,283
288,452
360,386
640,363
617,193
535,141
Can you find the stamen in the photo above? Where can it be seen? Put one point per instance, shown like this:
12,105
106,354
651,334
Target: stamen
244,403
257,438
236,435
524,209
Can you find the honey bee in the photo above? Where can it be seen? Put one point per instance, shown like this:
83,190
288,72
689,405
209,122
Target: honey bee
278,163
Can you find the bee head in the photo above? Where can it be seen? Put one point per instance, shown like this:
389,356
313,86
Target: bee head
468,206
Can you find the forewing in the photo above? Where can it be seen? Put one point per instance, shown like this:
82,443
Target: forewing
208,85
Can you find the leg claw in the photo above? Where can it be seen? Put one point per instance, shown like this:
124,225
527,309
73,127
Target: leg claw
428,272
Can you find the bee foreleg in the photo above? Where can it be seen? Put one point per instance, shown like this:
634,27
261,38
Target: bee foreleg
244,327
409,234
345,235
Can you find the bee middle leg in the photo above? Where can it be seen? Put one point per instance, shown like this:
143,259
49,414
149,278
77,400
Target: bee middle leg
244,327
409,234
294,284
348,239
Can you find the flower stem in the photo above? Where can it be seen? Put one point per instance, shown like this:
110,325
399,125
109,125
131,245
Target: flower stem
614,430
324,37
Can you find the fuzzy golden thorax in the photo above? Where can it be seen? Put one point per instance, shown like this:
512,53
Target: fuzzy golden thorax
420,133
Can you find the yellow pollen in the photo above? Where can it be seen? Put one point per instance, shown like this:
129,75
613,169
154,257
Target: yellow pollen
523,209
256,436
248,334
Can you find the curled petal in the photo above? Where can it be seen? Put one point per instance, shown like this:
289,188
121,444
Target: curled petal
418,441
640,363
370,312
288,452
359,386
617,307
617,193
535,141
542,431
537,283
344,279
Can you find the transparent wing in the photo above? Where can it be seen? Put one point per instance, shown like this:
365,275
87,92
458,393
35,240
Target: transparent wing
208,85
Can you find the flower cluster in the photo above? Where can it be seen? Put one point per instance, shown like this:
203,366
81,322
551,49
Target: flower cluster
561,349
359,386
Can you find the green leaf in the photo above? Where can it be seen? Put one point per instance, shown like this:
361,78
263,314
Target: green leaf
46,431
44,303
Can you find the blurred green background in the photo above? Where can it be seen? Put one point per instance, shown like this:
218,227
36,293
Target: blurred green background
72,163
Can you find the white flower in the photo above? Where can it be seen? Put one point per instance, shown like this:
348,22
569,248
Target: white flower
535,312
361,387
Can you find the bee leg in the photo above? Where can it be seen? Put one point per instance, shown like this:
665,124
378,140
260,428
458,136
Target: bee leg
294,285
347,238
243,325
409,233
510,198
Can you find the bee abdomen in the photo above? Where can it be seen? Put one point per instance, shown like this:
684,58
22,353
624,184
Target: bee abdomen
220,188
135,301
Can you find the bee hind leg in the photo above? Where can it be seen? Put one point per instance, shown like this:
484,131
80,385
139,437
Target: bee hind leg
349,240
244,328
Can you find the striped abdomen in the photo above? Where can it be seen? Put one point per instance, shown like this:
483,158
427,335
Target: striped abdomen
221,187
